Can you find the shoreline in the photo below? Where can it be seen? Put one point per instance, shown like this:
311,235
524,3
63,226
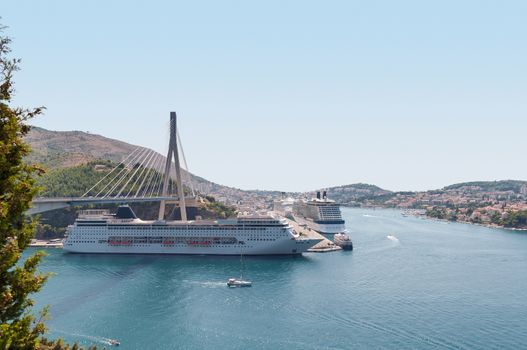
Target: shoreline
475,224
413,212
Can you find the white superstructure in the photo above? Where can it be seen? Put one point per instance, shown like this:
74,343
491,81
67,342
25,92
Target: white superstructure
100,232
320,214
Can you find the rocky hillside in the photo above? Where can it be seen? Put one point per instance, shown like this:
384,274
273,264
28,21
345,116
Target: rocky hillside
66,149
57,150
63,149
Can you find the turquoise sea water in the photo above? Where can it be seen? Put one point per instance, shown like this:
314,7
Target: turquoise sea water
436,286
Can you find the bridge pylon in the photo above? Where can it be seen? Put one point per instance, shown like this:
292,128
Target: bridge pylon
173,152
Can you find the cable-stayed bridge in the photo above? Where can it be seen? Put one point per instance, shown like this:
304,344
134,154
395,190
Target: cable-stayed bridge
143,176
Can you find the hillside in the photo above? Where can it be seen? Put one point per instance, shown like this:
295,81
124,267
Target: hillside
69,150
356,194
514,186
65,153
62,149
66,149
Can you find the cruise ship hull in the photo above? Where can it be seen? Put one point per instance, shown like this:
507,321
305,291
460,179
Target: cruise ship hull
286,247
124,233
327,228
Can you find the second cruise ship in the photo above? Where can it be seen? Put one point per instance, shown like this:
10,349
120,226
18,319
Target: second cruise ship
320,214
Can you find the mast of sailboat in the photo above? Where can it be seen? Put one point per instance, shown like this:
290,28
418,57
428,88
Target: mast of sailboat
241,263
173,151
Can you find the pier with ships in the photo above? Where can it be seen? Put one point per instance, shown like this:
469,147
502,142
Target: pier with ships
122,232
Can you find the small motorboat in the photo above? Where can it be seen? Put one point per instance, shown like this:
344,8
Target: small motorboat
392,238
233,282
343,241
114,342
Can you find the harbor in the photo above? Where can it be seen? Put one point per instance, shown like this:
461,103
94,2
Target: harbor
324,246
356,180
291,231
371,293
52,243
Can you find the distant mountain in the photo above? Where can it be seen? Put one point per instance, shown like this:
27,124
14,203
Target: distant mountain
467,193
514,186
71,149
63,149
355,194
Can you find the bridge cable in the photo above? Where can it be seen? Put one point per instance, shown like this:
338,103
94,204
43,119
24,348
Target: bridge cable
105,176
143,172
125,173
144,159
128,175
157,187
125,169
191,185
125,165
152,175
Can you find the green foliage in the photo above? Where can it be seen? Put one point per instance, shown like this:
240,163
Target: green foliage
72,182
59,344
18,328
516,219
222,210
46,231
495,218
75,181
476,220
437,212
210,199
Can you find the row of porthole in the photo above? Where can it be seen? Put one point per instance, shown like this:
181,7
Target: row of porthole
169,229
178,246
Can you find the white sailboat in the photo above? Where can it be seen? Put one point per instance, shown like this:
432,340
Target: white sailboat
234,282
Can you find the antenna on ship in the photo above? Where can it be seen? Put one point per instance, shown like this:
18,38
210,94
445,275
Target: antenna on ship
173,151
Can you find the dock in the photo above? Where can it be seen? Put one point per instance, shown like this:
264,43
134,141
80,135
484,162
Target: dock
324,246
38,243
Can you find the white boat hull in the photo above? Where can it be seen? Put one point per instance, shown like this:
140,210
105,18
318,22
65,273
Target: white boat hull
321,228
106,234
327,228
283,247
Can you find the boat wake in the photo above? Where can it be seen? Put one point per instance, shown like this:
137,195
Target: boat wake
207,284
92,338
393,238
384,245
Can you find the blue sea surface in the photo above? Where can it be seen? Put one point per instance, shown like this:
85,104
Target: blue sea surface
434,285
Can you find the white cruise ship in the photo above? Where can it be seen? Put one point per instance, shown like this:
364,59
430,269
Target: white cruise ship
320,214
97,231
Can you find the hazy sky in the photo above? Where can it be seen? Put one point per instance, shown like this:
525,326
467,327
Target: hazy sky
289,95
